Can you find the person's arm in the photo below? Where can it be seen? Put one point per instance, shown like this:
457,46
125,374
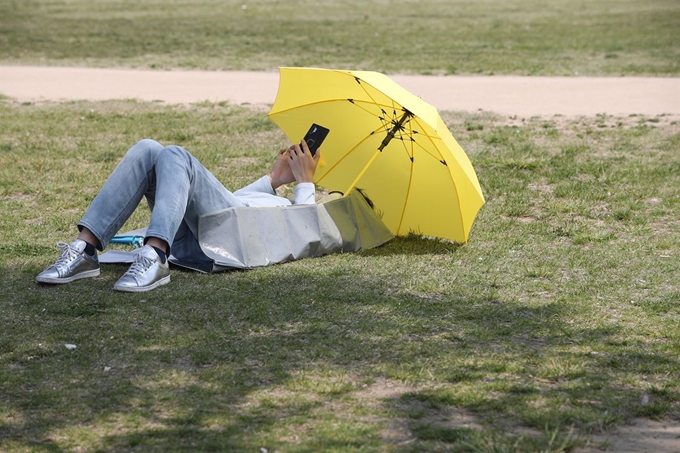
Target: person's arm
302,163
303,166
281,173
261,186
296,164
305,193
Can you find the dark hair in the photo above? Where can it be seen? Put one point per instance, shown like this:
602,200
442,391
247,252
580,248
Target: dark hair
368,200
362,192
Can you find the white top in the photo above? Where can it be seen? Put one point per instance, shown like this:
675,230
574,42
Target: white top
261,194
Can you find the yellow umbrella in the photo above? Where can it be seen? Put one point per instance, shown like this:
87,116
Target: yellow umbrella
386,141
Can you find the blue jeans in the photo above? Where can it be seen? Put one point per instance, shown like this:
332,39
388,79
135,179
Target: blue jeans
177,187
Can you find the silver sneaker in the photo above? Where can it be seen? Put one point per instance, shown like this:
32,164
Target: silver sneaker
146,272
73,264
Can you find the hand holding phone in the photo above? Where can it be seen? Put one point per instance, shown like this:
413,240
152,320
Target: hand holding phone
315,137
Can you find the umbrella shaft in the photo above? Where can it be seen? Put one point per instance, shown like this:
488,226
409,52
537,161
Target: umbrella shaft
392,132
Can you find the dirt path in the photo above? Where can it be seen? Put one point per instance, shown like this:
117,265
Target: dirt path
507,95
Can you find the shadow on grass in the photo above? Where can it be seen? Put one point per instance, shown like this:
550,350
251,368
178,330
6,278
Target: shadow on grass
236,361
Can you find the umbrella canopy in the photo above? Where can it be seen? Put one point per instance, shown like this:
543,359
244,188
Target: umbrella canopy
387,142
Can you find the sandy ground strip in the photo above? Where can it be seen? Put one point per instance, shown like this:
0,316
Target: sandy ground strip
507,95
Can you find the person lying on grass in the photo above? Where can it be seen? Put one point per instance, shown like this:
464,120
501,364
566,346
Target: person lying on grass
178,189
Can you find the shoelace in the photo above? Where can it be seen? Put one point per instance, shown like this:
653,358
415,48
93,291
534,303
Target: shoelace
140,265
66,254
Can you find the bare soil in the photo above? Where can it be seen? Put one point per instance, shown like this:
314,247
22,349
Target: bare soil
507,95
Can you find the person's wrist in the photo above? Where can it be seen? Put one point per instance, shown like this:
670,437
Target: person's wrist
304,178
273,183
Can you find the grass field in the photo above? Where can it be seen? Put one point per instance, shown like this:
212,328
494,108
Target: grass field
531,37
558,320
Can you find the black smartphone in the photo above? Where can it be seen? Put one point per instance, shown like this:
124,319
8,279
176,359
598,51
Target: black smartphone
315,137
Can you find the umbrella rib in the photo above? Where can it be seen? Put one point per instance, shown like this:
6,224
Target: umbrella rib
355,102
392,106
431,138
374,102
382,107
408,194
410,134
410,154
358,80
350,151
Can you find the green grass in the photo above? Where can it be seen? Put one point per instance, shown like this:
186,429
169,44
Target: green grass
528,37
556,321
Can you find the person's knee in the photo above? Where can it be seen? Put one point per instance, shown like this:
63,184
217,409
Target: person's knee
148,144
174,152
145,149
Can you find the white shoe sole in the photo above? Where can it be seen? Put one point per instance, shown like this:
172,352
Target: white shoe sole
141,289
59,281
